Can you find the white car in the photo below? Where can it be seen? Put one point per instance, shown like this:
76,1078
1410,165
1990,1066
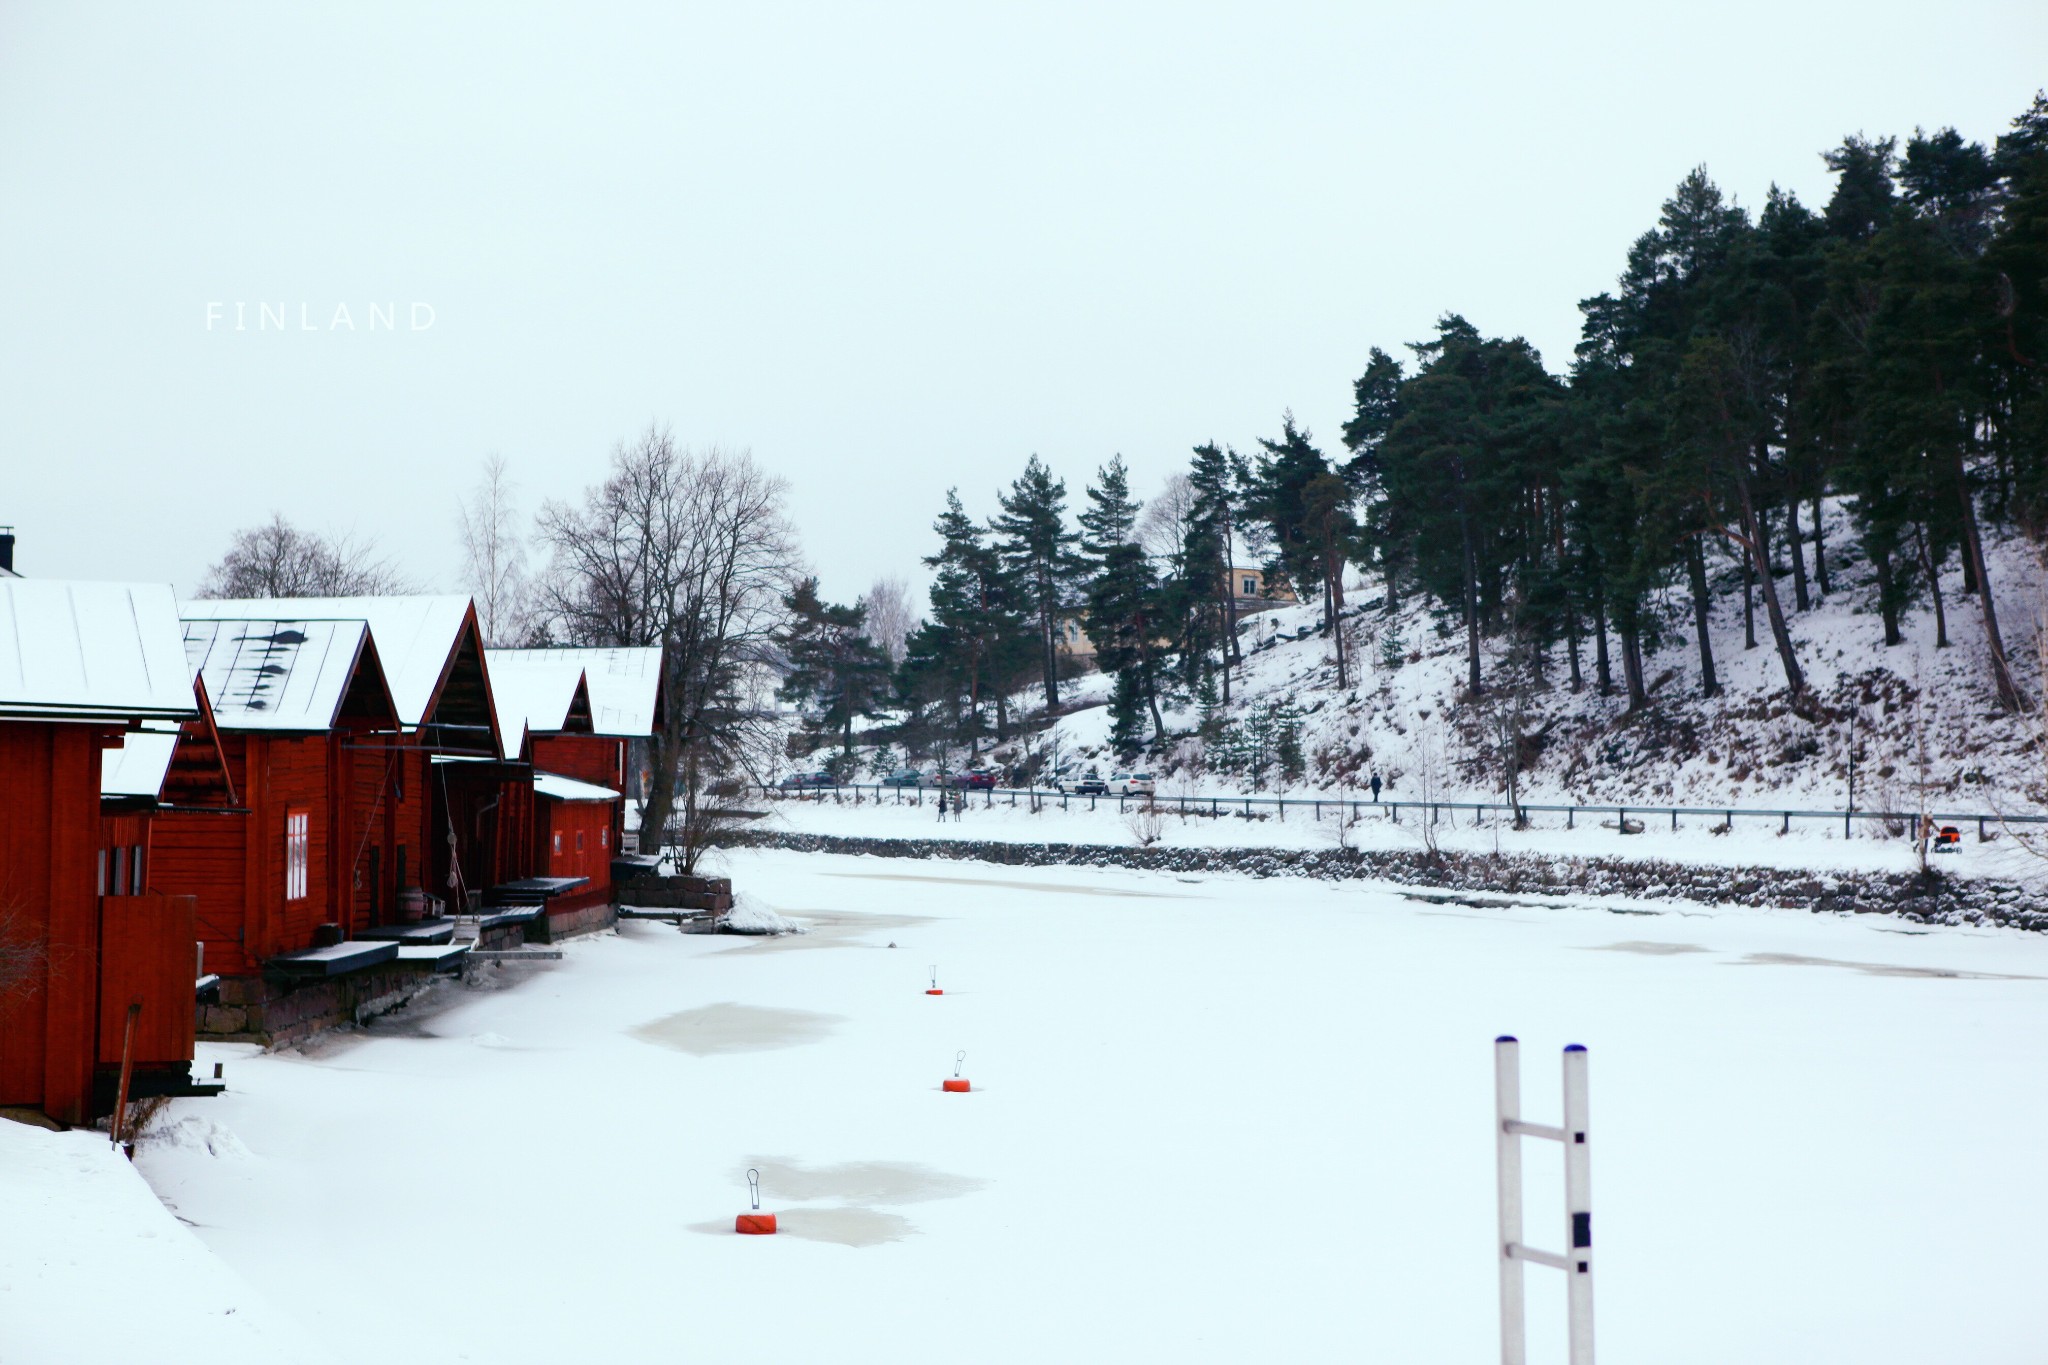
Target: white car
1131,784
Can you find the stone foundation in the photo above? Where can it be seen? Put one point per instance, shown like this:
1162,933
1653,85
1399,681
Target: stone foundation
677,892
274,1010
556,926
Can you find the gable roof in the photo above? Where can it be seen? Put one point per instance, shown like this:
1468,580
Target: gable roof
415,635
91,651
285,674
170,763
535,693
429,646
625,683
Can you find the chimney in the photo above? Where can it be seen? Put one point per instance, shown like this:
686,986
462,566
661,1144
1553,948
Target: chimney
6,549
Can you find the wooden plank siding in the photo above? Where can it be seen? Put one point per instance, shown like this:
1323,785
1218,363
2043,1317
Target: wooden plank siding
235,863
601,761
146,958
49,838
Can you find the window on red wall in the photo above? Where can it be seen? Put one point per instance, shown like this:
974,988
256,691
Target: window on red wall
604,837
579,841
135,887
103,872
298,854
120,871
558,841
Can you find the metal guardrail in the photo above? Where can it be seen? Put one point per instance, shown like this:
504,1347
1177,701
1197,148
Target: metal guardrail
1216,806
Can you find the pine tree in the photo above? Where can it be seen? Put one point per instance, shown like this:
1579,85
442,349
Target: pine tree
1037,554
835,671
1122,595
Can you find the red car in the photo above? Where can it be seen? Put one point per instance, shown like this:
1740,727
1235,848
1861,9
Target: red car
979,779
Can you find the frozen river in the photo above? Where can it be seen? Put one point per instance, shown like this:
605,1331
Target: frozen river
1216,1119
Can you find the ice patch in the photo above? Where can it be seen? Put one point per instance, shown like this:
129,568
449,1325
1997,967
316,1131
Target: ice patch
714,1029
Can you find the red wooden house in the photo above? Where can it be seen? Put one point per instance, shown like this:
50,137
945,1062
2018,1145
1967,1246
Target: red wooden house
84,975
395,840
571,716
301,706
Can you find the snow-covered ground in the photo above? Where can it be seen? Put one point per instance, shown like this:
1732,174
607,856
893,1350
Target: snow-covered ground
94,1267
1403,714
1213,1119
1753,841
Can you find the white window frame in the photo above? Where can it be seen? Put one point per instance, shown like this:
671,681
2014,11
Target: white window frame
298,854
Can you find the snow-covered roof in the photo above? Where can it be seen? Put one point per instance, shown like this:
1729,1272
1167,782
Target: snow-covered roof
139,766
625,683
415,635
532,690
88,651
267,673
561,788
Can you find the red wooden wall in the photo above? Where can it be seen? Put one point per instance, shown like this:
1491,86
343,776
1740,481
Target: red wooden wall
596,759
235,864
146,958
600,760
49,832
578,840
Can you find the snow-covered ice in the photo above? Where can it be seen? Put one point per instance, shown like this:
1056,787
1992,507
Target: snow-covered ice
1213,1118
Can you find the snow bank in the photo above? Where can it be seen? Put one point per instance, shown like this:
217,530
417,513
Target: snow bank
94,1267
751,915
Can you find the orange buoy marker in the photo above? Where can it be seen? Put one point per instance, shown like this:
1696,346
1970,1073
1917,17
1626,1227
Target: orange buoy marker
958,1084
757,1223
935,983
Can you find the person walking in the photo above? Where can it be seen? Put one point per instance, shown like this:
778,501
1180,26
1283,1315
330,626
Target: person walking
942,805
1375,788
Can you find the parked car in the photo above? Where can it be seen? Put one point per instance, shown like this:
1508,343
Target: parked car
1089,783
904,777
1131,784
975,779
800,781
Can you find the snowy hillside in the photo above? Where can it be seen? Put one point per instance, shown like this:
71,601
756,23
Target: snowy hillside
1408,722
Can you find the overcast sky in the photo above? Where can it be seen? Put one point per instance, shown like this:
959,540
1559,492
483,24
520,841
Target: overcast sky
889,248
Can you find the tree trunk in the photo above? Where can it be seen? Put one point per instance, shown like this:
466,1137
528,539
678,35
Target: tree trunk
1933,572
1748,603
1820,558
1333,579
1632,660
1794,538
1151,684
664,751
1602,672
1934,586
1696,570
1794,678
1048,640
1471,607
1973,557
1887,597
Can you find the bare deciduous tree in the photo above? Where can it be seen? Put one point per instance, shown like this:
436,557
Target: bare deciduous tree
494,555
277,559
691,553
1163,525
890,618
